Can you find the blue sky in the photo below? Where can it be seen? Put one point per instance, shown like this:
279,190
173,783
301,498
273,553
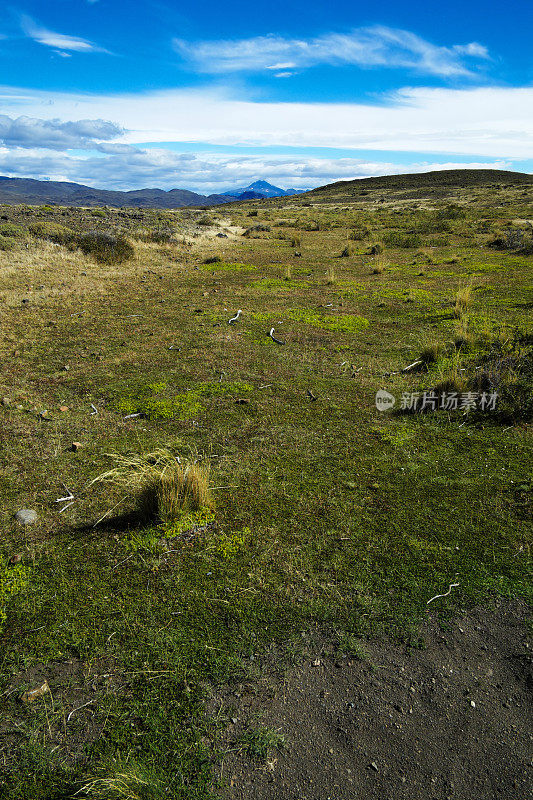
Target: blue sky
207,97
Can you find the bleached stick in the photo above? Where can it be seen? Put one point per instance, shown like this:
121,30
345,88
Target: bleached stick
452,585
271,334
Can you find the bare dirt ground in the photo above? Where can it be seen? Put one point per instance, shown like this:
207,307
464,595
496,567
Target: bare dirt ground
451,719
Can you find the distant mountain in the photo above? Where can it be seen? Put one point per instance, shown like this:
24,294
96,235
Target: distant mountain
260,189
32,192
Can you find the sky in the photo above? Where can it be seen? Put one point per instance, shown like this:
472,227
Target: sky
212,96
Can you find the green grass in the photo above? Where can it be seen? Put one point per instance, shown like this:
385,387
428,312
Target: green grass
328,513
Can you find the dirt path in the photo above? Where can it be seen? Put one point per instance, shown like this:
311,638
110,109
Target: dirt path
450,720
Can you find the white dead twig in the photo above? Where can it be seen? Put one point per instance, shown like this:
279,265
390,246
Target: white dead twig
68,498
94,410
412,366
236,317
452,586
90,703
132,416
271,334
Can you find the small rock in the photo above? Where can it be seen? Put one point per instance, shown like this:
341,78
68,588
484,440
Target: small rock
242,401
33,694
317,662
66,368
25,301
16,558
234,720
43,414
26,516
75,446
6,401
472,704
374,766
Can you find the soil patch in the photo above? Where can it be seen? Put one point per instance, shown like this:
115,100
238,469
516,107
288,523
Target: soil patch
451,719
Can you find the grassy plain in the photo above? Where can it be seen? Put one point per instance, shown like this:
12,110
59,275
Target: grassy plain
329,514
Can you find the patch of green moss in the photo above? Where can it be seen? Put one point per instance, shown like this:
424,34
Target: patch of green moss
226,266
151,401
150,539
280,284
13,580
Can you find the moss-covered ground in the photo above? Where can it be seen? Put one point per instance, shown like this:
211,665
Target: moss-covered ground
329,511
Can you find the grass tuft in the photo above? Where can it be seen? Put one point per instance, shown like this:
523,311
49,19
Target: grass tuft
162,488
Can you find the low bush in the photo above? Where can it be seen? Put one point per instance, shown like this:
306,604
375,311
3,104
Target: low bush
53,232
106,248
404,240
7,243
11,230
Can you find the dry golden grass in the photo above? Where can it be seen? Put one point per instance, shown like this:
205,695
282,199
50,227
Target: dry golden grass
161,486
463,299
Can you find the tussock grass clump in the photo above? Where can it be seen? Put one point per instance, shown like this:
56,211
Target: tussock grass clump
52,232
296,241
162,488
347,252
330,276
106,248
213,260
359,234
375,249
431,353
463,299
131,783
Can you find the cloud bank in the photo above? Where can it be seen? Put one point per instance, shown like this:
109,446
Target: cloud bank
204,173
53,134
487,122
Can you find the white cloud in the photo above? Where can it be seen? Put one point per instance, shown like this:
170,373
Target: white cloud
486,122
204,173
30,132
58,41
378,46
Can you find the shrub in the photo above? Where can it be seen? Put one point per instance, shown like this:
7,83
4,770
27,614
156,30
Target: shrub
105,247
359,234
98,212
7,243
213,260
12,230
256,229
53,232
404,240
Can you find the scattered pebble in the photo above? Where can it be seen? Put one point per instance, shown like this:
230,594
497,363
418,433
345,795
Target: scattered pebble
75,446
472,704
374,766
16,558
26,516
